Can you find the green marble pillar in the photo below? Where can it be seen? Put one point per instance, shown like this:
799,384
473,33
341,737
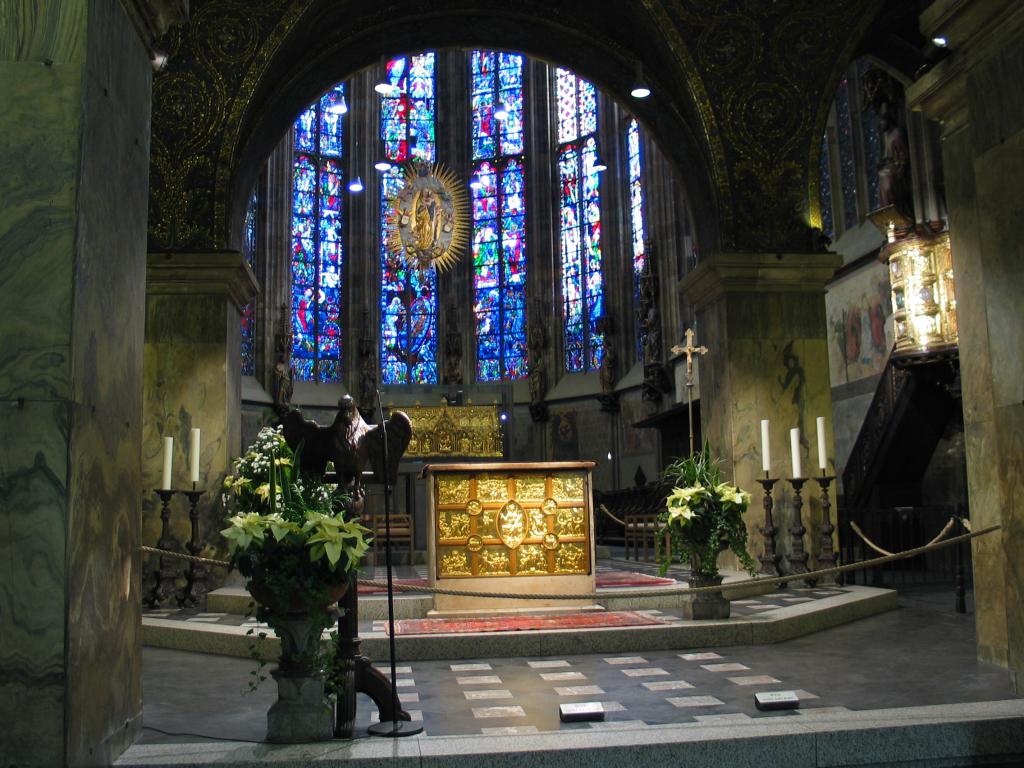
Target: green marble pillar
75,87
762,318
192,379
976,94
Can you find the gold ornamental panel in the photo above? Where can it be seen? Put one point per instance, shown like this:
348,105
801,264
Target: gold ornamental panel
442,431
521,522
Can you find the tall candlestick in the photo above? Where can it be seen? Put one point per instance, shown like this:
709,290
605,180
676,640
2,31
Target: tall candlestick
165,480
194,456
822,463
766,455
794,446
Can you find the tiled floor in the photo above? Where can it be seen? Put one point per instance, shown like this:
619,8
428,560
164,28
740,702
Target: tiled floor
921,654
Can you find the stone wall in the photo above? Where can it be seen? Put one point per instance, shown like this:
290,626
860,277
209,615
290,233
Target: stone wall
74,148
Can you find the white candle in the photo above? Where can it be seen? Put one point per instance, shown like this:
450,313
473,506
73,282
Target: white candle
794,445
165,480
194,455
766,454
822,463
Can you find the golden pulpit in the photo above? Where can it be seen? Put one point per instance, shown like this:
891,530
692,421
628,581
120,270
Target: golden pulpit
511,528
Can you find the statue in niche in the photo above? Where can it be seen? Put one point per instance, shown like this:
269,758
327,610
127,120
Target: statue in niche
656,381
884,95
284,372
536,344
608,398
452,347
367,368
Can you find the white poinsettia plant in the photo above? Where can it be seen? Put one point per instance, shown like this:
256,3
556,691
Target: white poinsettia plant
282,519
704,515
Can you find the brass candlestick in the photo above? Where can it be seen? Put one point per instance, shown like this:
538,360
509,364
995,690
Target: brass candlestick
797,557
827,555
164,591
770,558
195,592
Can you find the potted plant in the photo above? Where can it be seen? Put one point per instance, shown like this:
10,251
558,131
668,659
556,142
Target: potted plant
290,536
703,516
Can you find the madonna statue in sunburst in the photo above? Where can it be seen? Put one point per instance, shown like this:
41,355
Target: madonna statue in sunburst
427,218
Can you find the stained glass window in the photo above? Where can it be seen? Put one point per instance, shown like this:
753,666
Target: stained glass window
249,312
847,164
499,216
825,188
636,213
317,253
408,297
872,143
580,221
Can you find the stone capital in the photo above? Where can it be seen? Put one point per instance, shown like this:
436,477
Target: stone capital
973,30
727,273
219,273
152,18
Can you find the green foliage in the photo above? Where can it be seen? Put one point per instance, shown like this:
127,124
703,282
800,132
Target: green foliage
703,515
289,535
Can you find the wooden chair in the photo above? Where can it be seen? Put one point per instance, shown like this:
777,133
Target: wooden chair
643,530
401,532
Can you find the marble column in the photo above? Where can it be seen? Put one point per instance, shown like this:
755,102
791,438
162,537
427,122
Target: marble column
975,92
75,84
192,378
762,318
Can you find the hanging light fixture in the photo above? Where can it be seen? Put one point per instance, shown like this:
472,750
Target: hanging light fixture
339,107
501,113
388,90
640,89
597,166
356,185
474,182
382,165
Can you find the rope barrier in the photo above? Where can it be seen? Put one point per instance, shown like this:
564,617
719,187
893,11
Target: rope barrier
604,509
647,592
183,556
942,534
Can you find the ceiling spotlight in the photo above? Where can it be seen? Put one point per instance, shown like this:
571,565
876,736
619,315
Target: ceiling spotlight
939,41
474,182
158,62
640,89
501,113
387,89
382,165
356,185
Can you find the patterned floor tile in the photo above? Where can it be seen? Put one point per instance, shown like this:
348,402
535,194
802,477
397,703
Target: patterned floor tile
485,712
580,690
646,672
754,680
666,685
706,656
497,693
549,664
694,701
731,666
479,680
626,660
552,676
470,667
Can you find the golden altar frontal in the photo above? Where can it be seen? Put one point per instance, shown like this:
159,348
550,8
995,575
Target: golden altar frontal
510,527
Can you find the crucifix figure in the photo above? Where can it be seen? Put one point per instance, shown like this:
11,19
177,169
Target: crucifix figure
689,350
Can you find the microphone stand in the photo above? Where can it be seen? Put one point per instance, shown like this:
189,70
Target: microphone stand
396,727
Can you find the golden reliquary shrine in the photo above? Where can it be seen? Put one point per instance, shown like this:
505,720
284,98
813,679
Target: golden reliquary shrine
524,526
465,431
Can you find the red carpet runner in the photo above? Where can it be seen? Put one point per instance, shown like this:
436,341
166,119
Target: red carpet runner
522,623
604,579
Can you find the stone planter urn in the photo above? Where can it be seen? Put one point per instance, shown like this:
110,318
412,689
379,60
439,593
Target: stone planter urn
706,605
302,712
